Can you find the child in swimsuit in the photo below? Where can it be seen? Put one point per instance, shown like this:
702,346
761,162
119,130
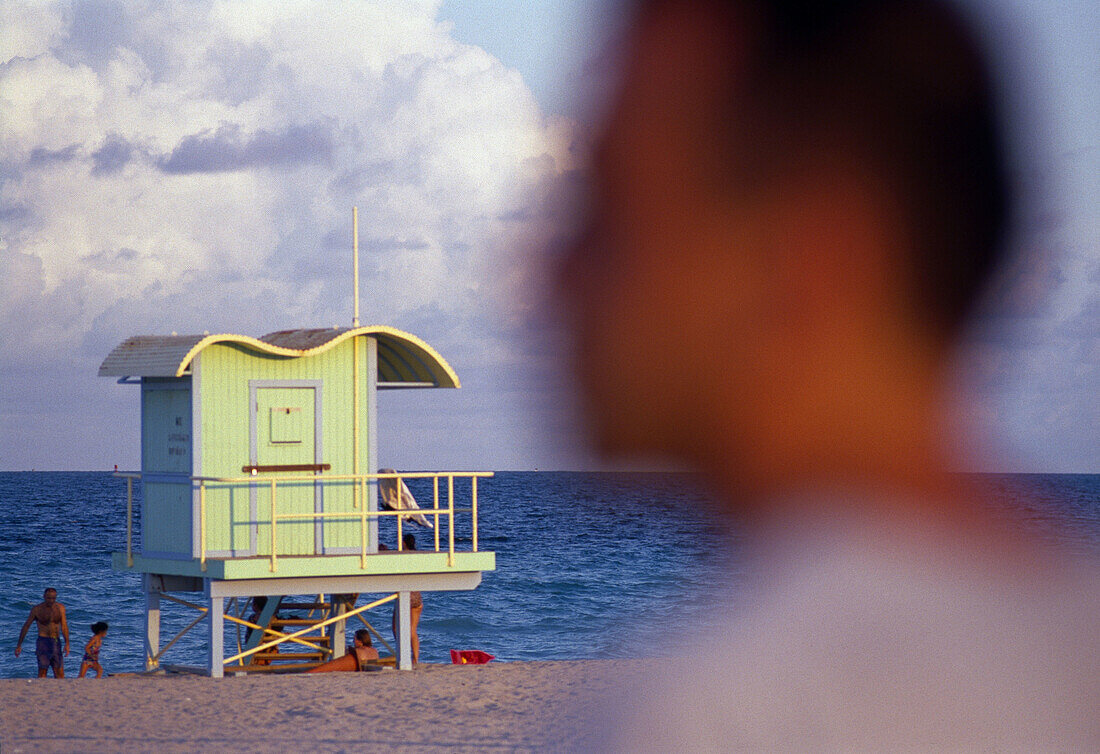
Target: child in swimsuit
91,650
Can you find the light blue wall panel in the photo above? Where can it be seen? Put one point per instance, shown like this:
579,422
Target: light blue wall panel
166,448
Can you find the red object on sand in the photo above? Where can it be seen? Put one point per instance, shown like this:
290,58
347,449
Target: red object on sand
470,657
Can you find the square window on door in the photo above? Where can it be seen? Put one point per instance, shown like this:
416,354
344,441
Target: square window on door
286,424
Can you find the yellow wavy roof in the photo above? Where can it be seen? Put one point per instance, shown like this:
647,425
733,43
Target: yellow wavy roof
402,357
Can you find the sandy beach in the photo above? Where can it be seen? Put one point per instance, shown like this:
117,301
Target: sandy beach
516,706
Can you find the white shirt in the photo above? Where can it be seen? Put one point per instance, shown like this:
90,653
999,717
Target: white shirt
881,638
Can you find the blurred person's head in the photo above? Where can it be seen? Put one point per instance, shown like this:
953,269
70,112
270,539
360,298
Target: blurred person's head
794,206
363,637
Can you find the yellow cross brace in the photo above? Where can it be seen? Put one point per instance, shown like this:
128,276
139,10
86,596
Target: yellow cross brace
291,637
235,619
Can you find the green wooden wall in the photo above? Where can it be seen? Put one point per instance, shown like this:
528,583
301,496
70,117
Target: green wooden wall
223,376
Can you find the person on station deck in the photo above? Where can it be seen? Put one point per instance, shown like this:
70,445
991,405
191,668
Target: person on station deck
360,653
795,205
49,615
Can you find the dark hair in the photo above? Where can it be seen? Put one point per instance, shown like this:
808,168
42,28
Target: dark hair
363,635
99,627
903,84
47,590
409,541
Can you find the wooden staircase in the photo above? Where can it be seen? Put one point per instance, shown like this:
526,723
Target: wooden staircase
279,614
284,616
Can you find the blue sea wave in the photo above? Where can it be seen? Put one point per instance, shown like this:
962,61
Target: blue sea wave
590,565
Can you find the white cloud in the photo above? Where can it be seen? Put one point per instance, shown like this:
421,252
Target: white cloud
29,29
193,168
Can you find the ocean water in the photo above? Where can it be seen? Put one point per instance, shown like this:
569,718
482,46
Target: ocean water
589,565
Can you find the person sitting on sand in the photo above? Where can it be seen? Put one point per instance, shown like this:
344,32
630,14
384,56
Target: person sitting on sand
91,650
50,617
359,654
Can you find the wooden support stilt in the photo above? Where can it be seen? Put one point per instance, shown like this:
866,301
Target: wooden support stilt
152,622
338,631
404,632
217,637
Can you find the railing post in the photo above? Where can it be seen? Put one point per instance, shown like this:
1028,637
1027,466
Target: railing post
129,521
451,518
435,507
473,510
363,521
400,540
273,526
202,524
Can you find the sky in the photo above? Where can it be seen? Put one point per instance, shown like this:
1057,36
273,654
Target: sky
189,168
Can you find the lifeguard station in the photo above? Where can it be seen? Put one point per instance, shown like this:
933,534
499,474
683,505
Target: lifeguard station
256,471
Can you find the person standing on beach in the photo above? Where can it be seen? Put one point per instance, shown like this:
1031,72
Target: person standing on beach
795,206
416,607
52,625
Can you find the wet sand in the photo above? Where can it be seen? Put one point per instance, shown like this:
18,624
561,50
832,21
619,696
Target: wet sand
516,706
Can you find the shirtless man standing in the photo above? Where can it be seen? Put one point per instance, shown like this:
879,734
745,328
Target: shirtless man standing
50,616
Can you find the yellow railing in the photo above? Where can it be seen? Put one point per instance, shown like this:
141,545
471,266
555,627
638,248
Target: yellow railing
358,481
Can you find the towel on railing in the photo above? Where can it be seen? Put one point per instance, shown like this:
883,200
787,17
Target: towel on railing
391,501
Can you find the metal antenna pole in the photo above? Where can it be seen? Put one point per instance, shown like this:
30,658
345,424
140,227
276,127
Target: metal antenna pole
355,264
355,357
